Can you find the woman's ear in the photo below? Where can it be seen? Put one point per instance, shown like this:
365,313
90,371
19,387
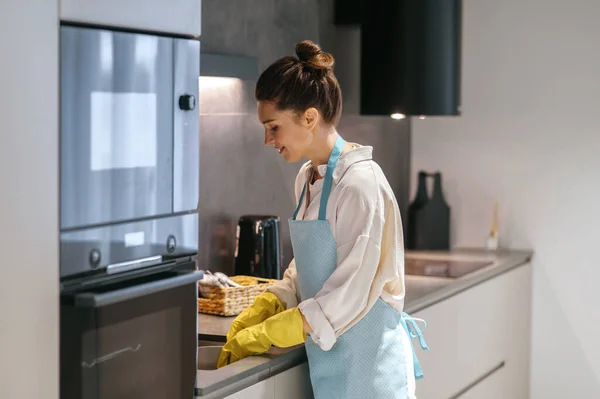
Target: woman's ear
311,118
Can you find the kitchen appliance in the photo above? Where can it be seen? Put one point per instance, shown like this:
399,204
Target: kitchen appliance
129,167
428,217
410,61
132,335
258,246
129,141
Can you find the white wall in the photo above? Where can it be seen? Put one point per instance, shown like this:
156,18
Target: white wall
29,199
530,136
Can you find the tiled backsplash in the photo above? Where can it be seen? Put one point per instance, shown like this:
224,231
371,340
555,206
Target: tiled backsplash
238,174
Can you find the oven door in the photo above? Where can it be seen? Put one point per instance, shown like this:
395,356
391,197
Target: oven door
129,131
131,339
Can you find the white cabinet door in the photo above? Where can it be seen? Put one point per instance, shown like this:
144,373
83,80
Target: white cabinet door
493,386
475,331
173,16
291,384
438,363
262,390
294,383
517,333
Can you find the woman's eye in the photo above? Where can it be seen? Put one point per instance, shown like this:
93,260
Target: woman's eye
274,128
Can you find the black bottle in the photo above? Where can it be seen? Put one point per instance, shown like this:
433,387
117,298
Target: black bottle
428,217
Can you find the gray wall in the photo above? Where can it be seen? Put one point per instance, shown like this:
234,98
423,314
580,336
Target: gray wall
238,175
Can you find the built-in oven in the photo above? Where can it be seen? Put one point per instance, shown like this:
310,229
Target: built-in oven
129,126
129,170
131,336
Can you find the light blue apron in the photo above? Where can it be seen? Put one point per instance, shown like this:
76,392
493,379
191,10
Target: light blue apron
368,360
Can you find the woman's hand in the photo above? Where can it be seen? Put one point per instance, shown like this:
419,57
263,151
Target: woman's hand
283,330
265,305
307,329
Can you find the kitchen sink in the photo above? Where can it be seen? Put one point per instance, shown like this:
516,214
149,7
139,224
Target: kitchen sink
209,350
208,356
455,255
210,342
446,265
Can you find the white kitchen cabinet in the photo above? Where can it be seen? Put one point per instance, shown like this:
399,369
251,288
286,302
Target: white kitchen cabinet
294,383
172,16
290,384
474,332
493,386
262,390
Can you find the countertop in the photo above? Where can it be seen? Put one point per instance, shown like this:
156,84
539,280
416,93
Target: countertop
421,292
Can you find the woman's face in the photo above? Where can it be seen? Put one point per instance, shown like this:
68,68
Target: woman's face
286,131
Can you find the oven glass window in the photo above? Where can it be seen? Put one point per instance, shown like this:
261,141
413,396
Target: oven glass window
116,133
143,348
123,130
136,357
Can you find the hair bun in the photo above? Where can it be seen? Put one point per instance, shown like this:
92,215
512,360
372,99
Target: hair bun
311,55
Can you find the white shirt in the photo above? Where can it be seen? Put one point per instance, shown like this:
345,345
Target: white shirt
365,221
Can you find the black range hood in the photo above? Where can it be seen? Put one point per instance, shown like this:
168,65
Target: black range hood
410,55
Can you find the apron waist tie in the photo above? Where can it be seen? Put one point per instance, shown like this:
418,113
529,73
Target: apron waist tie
414,331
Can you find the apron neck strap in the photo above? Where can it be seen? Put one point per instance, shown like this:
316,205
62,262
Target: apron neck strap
300,202
327,182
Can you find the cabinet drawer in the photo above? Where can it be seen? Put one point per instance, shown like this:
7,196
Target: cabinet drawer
262,390
469,334
294,383
492,385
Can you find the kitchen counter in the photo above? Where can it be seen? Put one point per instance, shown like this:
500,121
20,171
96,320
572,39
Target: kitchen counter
421,292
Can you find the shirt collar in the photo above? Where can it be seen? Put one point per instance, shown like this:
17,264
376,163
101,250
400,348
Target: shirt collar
358,154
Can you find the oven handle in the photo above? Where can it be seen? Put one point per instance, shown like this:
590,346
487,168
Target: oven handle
91,300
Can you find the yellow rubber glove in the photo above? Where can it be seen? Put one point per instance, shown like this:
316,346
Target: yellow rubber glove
283,330
265,305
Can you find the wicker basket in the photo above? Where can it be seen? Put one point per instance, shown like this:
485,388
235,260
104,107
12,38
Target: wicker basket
231,301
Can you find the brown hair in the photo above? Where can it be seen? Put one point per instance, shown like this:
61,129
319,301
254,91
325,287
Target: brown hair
300,83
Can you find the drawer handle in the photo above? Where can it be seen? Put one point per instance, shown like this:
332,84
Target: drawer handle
478,380
109,356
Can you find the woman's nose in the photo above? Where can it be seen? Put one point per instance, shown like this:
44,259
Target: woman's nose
269,139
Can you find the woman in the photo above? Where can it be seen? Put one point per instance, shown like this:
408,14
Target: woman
345,286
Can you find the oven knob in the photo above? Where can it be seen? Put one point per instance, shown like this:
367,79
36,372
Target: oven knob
187,102
171,244
95,258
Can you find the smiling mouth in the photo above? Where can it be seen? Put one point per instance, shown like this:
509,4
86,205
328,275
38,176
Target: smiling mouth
280,150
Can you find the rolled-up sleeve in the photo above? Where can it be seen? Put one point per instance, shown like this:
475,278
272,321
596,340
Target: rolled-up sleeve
286,289
349,293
